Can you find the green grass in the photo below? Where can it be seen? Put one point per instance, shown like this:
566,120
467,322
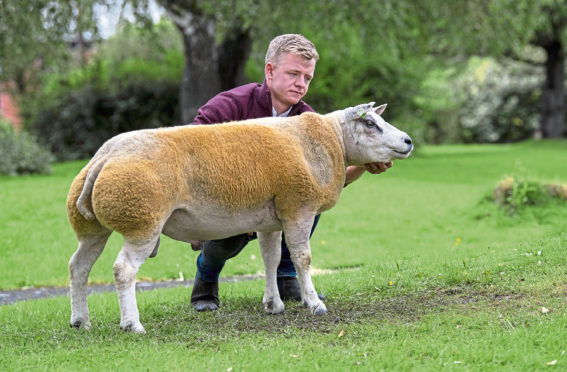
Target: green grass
428,276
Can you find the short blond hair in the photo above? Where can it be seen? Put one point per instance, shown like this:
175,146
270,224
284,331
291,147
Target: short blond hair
290,43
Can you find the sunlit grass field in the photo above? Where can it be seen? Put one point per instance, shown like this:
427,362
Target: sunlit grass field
423,210
423,273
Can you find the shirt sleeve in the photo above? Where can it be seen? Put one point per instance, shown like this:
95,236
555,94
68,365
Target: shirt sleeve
220,109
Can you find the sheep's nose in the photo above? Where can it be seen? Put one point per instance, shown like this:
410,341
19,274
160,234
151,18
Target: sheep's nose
407,140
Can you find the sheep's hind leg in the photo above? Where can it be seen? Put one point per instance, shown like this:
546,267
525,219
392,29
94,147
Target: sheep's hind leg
126,266
80,264
297,239
270,245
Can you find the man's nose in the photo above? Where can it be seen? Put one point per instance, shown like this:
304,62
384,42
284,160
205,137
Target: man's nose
300,81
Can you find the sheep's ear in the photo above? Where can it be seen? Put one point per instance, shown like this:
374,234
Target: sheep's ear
357,112
380,109
368,106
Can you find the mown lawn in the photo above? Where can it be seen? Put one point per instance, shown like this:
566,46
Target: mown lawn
424,275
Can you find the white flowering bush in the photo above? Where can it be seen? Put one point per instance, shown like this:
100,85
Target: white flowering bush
501,103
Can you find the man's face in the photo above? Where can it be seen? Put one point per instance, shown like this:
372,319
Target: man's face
289,80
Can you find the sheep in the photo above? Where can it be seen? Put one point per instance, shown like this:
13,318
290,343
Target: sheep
215,181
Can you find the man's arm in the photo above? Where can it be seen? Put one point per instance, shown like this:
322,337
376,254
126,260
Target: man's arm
354,172
221,108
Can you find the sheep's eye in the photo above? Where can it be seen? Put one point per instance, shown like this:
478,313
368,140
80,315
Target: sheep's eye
369,124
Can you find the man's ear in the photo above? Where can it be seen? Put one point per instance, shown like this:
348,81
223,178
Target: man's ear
269,70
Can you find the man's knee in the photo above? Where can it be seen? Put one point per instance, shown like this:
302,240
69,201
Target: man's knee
225,248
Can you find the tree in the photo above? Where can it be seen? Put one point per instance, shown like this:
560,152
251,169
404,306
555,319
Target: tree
506,28
35,34
210,67
399,38
550,34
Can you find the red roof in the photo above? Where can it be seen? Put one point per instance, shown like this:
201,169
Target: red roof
9,110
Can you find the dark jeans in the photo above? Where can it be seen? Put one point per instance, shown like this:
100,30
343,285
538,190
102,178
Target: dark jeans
215,253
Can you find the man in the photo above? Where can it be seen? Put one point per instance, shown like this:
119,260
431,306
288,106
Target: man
289,69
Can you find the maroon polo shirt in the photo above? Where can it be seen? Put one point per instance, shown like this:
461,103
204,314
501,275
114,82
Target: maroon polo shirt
250,101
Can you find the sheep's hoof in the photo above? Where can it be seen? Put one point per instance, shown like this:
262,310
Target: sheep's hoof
319,309
319,312
134,327
274,306
80,323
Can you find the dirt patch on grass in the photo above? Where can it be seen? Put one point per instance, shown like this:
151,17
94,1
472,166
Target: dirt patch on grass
247,315
412,307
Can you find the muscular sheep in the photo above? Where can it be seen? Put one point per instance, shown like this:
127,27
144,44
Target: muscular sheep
211,182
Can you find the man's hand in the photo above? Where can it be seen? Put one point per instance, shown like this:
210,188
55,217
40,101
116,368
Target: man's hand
354,171
377,168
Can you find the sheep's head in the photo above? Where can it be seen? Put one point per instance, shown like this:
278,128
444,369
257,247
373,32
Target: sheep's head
368,138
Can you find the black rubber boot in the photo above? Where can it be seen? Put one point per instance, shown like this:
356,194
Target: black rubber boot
205,295
288,286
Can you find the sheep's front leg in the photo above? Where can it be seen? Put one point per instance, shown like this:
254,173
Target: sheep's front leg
126,266
297,239
270,245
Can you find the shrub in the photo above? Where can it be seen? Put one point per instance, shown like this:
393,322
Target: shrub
80,121
500,103
131,81
439,106
20,153
514,194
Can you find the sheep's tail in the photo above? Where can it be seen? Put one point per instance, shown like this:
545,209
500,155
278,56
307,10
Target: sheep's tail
92,175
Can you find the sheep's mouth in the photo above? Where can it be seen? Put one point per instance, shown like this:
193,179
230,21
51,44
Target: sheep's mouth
403,154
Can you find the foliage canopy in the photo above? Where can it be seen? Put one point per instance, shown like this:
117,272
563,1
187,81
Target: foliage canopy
375,50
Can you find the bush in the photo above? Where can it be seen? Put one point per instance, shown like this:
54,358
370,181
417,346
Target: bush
439,105
21,154
500,103
80,121
130,83
514,193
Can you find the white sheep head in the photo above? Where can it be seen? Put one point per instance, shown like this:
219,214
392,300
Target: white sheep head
368,138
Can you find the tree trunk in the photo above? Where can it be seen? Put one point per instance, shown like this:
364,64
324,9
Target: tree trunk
209,68
233,54
201,79
552,123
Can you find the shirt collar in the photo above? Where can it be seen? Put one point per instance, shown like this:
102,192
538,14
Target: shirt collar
283,114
